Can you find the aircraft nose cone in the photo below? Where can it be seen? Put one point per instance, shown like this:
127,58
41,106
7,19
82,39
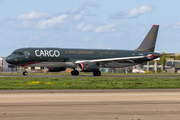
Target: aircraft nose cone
9,59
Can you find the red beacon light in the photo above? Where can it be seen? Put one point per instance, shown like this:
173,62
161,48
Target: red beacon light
153,25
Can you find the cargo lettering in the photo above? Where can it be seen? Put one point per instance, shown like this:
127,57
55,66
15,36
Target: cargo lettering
47,53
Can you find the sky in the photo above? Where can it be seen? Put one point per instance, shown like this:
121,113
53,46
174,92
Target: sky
94,24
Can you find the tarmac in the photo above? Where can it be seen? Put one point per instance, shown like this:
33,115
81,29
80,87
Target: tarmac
96,104
142,76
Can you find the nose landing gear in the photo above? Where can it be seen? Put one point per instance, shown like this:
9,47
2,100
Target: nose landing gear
25,71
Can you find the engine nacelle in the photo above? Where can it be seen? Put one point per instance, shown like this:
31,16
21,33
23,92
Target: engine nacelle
56,69
87,67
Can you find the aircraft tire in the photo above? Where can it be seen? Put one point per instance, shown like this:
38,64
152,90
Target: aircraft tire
94,73
72,72
97,73
75,72
25,73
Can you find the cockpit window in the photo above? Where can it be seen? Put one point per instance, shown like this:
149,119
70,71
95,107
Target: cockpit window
17,53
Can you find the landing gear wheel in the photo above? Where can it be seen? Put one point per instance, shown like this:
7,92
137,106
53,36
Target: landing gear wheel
97,73
25,73
75,72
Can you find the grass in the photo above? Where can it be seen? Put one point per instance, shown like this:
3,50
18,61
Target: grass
88,83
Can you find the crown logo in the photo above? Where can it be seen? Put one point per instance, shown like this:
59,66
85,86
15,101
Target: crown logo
152,36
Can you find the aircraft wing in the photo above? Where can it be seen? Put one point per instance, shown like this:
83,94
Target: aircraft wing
111,59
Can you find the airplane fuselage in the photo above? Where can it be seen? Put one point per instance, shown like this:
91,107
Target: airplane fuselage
53,57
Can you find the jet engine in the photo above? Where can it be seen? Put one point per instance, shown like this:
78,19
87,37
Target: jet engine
56,69
87,67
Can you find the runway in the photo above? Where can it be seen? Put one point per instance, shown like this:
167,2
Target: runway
142,76
113,104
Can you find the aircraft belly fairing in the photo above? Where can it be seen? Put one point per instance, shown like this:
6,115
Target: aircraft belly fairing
53,64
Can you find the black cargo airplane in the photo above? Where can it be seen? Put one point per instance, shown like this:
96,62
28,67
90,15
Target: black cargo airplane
85,60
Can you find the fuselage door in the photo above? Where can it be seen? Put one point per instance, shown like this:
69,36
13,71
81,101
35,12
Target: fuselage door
26,54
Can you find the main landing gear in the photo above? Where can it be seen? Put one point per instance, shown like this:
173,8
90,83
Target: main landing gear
75,72
97,73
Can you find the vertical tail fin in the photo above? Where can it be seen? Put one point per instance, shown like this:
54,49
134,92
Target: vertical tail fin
148,44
